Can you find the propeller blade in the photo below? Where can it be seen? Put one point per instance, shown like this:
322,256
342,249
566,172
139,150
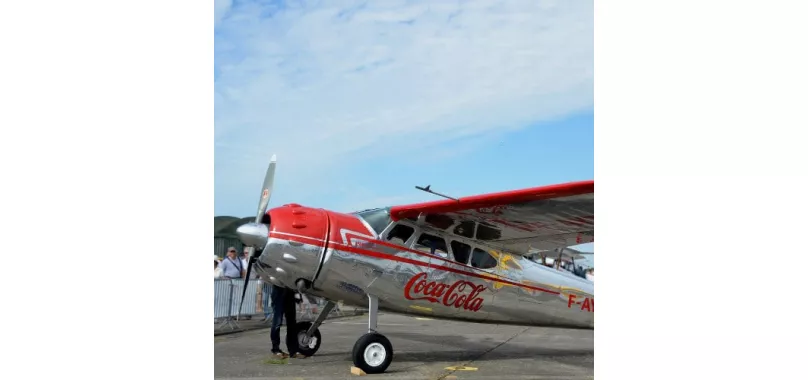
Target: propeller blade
246,281
266,190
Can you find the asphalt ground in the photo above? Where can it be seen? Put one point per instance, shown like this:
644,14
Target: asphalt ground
423,349
222,327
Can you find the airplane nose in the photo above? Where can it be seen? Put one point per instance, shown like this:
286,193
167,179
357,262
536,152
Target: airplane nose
253,235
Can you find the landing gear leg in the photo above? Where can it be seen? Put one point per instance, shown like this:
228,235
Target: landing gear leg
308,333
373,353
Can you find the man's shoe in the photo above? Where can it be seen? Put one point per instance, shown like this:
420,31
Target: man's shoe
281,354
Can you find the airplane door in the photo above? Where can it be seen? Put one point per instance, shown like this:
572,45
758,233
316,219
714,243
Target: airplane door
433,261
436,247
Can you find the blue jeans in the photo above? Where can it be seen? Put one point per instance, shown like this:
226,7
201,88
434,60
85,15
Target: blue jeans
275,331
266,289
277,317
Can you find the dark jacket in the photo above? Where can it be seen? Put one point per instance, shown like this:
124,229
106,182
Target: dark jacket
277,294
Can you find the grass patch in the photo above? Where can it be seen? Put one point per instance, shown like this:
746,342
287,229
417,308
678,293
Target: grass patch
275,361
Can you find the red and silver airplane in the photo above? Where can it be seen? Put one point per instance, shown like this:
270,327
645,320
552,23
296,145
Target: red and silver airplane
455,259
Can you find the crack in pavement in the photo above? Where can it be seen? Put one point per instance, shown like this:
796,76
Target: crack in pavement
442,377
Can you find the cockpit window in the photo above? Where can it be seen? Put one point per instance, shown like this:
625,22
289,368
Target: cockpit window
378,218
427,241
400,234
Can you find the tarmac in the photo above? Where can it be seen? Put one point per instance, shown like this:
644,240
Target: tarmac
423,349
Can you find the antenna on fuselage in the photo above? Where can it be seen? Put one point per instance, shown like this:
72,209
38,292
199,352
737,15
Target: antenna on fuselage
436,193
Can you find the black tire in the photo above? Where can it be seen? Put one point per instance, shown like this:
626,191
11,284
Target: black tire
375,342
314,343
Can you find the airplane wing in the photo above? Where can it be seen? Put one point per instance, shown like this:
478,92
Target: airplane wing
539,218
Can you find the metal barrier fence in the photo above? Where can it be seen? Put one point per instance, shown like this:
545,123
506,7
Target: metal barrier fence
227,296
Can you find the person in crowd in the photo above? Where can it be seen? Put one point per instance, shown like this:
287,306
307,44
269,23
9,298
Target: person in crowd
234,268
217,272
245,261
231,266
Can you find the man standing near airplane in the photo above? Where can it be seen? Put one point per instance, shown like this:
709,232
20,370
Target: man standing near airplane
284,306
277,296
290,312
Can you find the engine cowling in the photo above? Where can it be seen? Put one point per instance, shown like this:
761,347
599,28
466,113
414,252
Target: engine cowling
297,238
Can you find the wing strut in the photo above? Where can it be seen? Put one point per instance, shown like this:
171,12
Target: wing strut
436,193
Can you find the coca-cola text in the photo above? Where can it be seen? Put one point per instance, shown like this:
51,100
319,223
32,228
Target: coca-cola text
454,295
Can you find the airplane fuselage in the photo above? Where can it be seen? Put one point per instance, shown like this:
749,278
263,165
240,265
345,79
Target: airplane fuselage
415,268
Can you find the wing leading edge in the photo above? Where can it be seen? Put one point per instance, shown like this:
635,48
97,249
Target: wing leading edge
519,221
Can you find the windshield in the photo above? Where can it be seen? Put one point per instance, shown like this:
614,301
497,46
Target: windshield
378,218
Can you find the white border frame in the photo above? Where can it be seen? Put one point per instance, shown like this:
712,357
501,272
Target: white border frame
700,117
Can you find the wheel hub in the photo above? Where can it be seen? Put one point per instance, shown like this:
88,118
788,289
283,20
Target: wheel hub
305,341
375,354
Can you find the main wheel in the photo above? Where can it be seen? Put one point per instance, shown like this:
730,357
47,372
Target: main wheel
373,353
307,346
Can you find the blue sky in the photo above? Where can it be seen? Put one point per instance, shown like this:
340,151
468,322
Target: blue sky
361,101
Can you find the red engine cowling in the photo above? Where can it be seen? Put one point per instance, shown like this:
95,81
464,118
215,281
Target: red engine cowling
298,239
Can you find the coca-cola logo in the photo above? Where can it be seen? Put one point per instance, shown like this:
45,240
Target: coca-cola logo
462,293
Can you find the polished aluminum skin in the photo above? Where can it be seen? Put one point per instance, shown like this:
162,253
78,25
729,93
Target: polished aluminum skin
409,278
253,235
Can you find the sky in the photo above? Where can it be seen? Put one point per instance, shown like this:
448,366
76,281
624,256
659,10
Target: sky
361,101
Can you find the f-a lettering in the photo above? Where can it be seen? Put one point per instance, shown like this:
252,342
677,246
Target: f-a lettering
588,304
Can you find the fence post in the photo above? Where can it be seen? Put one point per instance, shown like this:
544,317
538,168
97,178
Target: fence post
228,321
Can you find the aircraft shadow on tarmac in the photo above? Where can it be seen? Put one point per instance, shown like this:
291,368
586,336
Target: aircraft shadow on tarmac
465,344
468,349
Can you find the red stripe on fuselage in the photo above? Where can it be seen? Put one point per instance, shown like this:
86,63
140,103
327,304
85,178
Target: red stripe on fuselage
380,255
384,243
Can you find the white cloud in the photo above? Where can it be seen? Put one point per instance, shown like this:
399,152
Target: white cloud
322,86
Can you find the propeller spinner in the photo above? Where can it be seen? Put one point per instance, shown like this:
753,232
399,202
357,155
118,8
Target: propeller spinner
255,234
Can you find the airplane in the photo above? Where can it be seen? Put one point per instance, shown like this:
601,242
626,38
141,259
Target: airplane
455,259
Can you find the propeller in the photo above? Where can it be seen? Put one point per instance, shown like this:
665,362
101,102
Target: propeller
266,191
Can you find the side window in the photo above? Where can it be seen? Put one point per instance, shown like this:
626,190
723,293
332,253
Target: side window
400,234
461,252
487,232
425,242
439,221
465,229
482,259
